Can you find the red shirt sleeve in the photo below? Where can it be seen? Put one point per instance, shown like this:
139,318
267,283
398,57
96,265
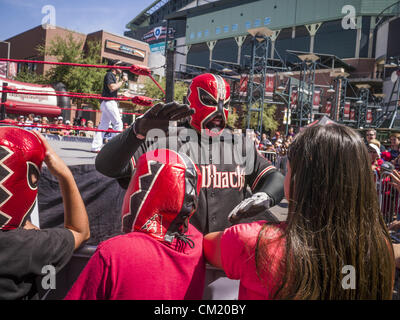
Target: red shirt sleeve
92,282
237,247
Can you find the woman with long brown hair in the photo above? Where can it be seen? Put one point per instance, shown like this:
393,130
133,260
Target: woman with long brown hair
334,244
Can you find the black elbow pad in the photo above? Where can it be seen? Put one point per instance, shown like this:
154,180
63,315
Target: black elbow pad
272,184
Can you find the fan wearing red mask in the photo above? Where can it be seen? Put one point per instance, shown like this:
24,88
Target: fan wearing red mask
24,249
160,256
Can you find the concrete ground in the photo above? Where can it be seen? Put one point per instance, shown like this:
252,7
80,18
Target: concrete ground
281,210
73,152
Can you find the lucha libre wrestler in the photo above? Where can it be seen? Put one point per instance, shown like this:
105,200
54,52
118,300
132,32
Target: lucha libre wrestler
24,249
213,147
230,164
158,240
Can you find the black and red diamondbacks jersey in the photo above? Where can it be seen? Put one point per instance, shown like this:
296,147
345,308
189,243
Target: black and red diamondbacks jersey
229,163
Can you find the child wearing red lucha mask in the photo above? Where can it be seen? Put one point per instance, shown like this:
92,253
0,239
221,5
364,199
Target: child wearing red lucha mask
160,257
24,249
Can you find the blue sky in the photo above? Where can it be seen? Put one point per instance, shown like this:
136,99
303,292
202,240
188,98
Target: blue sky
84,16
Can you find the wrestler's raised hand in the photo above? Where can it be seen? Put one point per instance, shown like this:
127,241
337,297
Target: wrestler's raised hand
159,116
251,207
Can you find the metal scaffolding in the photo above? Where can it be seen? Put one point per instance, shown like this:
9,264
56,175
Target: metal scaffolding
304,112
260,65
390,112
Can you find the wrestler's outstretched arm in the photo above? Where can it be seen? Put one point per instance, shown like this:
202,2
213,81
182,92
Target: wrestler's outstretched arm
114,159
266,184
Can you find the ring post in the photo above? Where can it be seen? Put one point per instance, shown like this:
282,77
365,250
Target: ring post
3,101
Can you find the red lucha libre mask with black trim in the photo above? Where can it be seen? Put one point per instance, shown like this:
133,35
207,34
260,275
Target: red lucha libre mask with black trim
162,195
21,156
209,96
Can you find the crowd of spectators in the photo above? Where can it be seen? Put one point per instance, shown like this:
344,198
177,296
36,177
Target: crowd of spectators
57,125
277,143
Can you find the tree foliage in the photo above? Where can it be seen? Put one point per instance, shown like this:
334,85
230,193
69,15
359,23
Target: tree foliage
233,119
152,91
76,79
269,122
30,77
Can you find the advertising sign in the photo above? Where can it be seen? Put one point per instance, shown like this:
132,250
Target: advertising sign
112,45
20,103
346,112
157,33
269,84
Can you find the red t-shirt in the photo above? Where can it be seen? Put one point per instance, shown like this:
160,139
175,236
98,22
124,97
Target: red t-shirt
238,245
135,266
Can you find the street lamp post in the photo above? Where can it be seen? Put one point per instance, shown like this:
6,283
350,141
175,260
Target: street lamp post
8,55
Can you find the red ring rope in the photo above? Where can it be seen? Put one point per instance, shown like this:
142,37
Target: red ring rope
140,100
61,127
135,69
11,105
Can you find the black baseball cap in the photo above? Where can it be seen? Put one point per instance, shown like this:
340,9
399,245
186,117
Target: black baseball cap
114,62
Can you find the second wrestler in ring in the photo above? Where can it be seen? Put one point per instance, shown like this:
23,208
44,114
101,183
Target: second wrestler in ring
109,108
224,181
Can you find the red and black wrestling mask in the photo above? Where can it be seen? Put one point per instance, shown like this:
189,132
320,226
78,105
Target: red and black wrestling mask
162,195
209,96
21,156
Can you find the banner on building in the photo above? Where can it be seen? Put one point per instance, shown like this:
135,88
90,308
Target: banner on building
369,116
328,108
269,85
244,79
352,114
316,100
346,111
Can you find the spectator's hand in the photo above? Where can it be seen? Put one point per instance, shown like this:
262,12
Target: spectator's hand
54,163
396,250
395,179
125,77
394,226
258,203
30,226
158,117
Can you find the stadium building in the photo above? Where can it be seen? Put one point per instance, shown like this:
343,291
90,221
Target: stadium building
355,38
